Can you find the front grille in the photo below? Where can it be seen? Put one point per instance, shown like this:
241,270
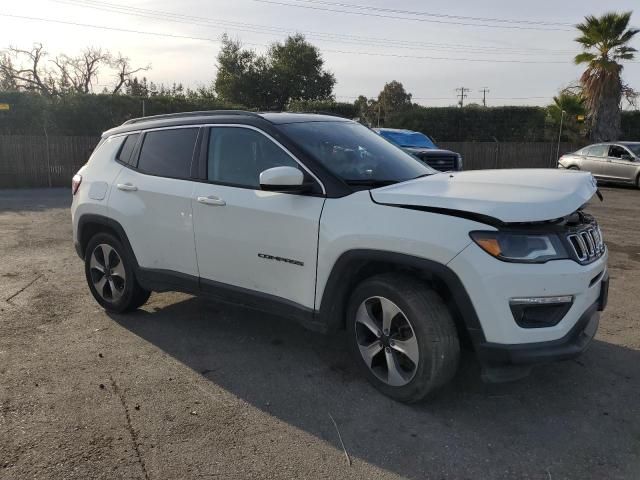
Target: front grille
443,163
587,243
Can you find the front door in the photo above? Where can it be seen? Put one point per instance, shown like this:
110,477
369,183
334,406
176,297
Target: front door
258,241
621,165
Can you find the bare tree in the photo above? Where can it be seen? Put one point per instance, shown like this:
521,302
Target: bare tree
124,72
29,70
79,73
30,74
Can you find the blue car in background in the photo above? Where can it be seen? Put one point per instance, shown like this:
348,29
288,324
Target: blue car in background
422,146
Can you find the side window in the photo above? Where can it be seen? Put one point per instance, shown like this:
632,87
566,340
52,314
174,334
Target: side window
616,151
238,155
598,150
127,148
168,153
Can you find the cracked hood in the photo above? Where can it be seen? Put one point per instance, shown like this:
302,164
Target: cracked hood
513,195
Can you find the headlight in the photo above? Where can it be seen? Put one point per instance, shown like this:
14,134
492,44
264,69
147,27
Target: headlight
520,247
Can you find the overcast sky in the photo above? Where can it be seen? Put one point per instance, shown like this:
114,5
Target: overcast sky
516,63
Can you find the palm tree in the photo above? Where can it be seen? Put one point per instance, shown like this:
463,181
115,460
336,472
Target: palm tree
605,41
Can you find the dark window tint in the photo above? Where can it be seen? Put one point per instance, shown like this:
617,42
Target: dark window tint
127,148
354,153
598,150
168,153
238,155
616,151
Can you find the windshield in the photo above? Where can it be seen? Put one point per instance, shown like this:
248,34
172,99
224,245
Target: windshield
634,147
354,153
408,139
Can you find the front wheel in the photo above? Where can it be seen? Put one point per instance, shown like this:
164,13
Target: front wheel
110,275
402,336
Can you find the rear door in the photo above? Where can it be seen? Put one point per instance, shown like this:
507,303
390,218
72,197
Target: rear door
595,159
621,165
151,199
259,241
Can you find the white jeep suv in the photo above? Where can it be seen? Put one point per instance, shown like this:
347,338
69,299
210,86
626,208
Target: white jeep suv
319,219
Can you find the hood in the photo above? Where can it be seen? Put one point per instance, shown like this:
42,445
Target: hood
426,152
514,195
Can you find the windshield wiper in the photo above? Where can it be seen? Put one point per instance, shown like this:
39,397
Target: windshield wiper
370,182
424,175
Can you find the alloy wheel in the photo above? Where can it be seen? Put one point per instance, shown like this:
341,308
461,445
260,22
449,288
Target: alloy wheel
387,341
107,272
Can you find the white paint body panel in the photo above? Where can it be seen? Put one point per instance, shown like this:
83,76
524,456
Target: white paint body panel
99,172
356,222
512,195
230,237
158,220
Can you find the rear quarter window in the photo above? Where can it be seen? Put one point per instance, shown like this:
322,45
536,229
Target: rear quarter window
124,155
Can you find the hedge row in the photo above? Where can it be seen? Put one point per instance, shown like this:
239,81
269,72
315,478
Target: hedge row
93,114
87,114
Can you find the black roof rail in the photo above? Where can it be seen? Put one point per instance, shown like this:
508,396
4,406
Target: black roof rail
321,112
202,113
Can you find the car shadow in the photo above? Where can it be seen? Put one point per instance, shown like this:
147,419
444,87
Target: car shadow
575,418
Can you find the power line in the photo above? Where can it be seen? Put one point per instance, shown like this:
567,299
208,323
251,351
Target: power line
324,36
438,15
416,19
347,52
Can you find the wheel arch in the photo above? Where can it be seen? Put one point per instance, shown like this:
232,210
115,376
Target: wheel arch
354,266
91,224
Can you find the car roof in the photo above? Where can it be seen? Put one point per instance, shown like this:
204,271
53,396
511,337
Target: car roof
219,116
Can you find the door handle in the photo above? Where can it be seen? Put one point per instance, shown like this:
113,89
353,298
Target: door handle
127,187
212,200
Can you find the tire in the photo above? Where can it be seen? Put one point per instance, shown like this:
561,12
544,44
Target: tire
573,167
118,291
410,303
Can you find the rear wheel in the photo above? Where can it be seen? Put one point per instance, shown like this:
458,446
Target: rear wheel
573,167
110,275
402,336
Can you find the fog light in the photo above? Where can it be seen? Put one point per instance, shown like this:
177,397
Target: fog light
540,312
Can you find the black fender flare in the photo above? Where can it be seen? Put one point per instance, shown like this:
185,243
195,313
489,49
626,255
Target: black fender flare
95,219
340,284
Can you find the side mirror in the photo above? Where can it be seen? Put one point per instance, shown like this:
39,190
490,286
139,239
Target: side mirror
626,156
283,179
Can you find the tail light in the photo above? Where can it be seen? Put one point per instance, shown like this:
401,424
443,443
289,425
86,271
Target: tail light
75,183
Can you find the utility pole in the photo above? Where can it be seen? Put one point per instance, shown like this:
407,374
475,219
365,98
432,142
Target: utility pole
484,92
462,95
560,134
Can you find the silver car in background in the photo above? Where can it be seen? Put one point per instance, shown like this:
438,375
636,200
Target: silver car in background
612,162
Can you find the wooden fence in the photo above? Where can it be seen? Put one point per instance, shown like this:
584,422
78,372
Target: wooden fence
39,161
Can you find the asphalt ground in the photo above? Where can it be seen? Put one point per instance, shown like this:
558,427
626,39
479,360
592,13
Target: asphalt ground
188,388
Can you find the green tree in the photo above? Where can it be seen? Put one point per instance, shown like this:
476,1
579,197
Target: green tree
296,69
394,98
241,75
290,71
573,105
605,41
